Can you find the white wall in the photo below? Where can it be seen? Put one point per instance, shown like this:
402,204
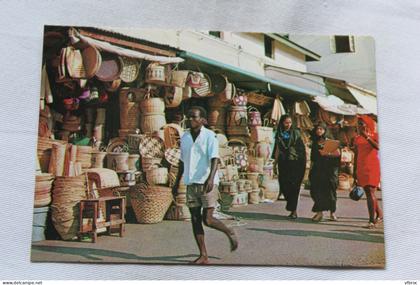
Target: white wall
289,58
358,67
244,50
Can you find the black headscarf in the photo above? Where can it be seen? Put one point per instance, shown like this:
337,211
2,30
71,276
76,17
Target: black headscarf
314,136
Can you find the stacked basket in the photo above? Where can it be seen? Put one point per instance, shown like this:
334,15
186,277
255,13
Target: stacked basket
129,113
67,193
84,156
152,117
43,184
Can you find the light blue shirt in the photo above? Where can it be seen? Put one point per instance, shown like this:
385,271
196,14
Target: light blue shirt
197,156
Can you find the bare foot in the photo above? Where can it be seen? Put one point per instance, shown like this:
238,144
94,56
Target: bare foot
233,241
201,260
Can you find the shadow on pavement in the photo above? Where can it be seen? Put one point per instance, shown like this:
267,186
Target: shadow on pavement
92,254
354,236
271,217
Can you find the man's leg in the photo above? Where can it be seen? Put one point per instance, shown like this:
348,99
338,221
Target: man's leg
214,223
197,225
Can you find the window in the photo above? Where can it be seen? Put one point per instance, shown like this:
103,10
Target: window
268,46
216,34
342,44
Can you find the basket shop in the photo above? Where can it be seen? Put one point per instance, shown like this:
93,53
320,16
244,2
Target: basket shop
112,111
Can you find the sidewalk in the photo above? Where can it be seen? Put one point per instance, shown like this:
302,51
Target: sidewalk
265,234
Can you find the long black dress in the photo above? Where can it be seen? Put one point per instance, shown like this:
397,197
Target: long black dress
291,159
323,179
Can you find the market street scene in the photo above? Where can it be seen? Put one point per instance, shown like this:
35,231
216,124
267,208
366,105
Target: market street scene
207,148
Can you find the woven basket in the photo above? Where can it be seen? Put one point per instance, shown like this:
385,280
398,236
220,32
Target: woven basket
229,187
173,96
157,175
237,117
270,189
226,95
130,70
146,162
151,147
133,142
67,193
150,203
254,196
58,153
152,122
117,161
98,159
254,117
179,78
129,116
344,182
216,116
186,92
132,161
172,135
152,105
155,73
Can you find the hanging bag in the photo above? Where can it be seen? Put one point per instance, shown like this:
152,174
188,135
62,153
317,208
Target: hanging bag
240,154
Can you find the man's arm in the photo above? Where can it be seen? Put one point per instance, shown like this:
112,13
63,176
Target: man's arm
178,178
208,185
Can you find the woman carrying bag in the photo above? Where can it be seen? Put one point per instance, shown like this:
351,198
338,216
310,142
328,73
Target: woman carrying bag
323,175
290,155
367,166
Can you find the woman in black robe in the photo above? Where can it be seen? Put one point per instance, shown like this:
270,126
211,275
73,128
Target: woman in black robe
291,161
323,176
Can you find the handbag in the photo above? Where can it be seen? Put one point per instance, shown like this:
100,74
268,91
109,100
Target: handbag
240,154
356,193
262,133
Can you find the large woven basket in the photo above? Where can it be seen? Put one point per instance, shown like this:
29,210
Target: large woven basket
150,203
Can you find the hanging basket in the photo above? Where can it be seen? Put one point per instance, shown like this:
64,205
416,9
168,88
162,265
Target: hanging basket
130,70
254,117
173,96
150,203
155,73
239,99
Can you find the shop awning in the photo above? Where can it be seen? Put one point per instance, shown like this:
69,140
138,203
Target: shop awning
303,80
335,105
76,37
365,98
353,94
243,78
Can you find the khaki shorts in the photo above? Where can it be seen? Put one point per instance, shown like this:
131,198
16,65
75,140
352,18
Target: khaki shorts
197,198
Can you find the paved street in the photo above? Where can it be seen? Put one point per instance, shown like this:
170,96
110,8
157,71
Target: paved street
266,237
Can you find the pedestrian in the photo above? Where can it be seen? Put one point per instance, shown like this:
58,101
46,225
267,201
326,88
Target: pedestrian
323,176
367,166
198,167
290,155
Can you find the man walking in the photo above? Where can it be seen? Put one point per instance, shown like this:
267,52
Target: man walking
198,167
